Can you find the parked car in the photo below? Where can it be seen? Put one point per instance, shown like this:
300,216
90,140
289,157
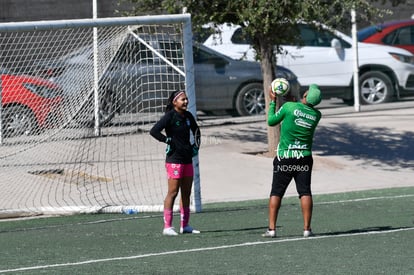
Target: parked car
29,104
394,33
326,57
221,83
228,39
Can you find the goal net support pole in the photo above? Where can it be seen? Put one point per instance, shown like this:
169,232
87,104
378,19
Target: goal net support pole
78,100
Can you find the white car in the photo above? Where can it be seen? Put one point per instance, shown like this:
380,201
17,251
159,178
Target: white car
327,58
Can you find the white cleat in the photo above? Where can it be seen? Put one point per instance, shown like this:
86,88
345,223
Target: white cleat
169,232
307,233
269,234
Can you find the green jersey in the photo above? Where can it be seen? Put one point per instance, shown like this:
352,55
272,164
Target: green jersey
298,123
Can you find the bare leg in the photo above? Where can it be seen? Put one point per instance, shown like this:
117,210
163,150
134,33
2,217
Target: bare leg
173,187
186,186
307,207
274,206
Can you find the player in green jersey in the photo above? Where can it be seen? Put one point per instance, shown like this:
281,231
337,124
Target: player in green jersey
294,154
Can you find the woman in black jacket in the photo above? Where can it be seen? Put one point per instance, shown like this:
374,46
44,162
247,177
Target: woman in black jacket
177,123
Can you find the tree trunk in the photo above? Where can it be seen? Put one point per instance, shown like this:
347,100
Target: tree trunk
268,71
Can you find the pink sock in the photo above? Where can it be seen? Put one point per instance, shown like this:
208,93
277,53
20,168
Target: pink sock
185,216
168,217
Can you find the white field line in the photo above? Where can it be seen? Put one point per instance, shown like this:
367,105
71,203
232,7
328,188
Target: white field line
367,199
224,246
202,249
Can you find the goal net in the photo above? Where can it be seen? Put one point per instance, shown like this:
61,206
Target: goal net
78,100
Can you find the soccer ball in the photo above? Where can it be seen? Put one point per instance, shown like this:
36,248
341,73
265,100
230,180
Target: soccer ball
280,86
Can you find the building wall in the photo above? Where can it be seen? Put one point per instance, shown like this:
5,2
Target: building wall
33,10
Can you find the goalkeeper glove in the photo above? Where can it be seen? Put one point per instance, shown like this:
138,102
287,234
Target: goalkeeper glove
195,150
168,149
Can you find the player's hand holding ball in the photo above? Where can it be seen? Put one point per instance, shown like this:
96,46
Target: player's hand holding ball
272,95
280,86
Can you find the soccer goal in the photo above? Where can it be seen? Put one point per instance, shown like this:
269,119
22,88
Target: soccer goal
78,100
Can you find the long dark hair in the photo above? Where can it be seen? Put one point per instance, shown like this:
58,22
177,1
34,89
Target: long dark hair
171,98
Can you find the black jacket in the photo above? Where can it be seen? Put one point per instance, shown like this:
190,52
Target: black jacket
177,128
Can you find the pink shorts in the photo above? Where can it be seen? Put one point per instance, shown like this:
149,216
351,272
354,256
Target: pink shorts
177,171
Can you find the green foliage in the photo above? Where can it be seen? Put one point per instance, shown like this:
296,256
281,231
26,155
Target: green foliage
267,23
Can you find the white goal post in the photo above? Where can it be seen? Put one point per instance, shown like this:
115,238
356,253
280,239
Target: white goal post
78,100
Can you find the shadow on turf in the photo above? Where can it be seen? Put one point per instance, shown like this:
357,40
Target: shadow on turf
335,233
362,230
235,230
379,146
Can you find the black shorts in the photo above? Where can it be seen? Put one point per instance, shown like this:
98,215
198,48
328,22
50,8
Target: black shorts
286,169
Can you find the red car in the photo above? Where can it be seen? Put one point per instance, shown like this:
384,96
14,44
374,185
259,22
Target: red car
394,33
29,104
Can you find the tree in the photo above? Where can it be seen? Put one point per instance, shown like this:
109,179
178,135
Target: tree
271,23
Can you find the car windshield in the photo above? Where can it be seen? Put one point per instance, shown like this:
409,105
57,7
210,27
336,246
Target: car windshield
201,35
240,37
202,56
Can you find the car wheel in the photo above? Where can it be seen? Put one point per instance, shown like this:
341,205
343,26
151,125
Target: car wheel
17,121
250,100
375,88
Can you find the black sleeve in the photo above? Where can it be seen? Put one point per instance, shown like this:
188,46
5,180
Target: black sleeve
156,130
193,123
